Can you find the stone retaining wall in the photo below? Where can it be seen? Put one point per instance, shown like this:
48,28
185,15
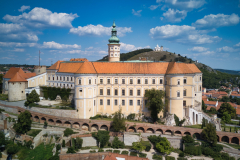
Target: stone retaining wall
57,112
12,110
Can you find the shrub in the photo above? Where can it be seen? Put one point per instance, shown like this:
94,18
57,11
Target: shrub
125,152
0,154
68,132
100,150
187,139
13,149
181,158
169,158
102,137
109,150
147,144
63,143
117,143
157,157
131,116
142,155
181,154
116,151
154,139
71,150
79,142
133,153
193,150
92,151
58,147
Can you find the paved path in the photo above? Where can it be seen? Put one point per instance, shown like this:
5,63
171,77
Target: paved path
17,103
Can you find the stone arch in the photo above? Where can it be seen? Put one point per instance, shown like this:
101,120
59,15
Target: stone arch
187,133
85,127
43,119
50,121
150,130
159,131
198,136
225,139
131,129
94,128
19,112
235,140
76,125
36,119
141,129
111,129
104,127
178,133
67,124
58,123
168,132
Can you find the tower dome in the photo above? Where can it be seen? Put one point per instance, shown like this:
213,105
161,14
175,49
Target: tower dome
114,38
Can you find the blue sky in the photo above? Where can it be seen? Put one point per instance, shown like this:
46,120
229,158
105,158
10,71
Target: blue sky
204,30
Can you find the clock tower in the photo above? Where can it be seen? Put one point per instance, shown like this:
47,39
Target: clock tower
114,46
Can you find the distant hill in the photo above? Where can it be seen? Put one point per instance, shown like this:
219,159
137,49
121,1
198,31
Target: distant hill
229,71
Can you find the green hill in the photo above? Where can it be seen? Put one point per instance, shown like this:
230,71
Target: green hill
229,71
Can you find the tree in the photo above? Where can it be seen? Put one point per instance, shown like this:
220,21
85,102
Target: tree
225,99
164,146
63,143
32,97
71,150
45,124
226,107
155,103
58,147
226,117
117,143
118,121
178,123
209,133
24,122
67,132
213,110
102,137
187,139
79,142
13,149
204,107
138,146
2,138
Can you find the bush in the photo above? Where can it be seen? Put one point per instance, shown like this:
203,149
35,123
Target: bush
133,153
92,151
193,150
100,150
147,144
154,139
109,150
169,158
142,155
157,157
102,137
68,132
116,151
58,147
63,143
117,143
79,142
0,154
181,158
131,116
181,154
71,150
13,149
125,152
187,139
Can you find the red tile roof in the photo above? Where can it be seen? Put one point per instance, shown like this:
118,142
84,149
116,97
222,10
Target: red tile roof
79,59
18,75
17,78
55,66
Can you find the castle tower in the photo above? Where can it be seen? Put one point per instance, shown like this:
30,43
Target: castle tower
114,46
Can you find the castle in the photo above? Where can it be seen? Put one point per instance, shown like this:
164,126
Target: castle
104,87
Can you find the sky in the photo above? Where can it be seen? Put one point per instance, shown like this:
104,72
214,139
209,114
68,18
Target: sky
204,30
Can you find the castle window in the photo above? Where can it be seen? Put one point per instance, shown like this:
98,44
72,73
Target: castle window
108,92
115,102
138,92
200,88
138,102
200,78
71,79
80,81
146,81
108,102
178,81
130,92
131,81
67,78
139,81
48,78
95,81
89,81
111,55
57,78
108,81
116,81
63,78
130,102
123,81
101,101
161,81
115,47
116,92
178,93
101,81
60,78
185,92
145,102
22,91
123,102
64,85
185,81
115,55
165,82
184,103
123,92
153,81
101,91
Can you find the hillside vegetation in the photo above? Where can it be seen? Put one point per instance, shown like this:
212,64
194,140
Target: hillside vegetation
229,71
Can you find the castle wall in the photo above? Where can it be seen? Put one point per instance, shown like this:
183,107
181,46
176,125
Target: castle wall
16,91
40,69
37,80
5,85
113,52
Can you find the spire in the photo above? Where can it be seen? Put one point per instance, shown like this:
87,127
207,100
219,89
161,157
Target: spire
114,38
114,25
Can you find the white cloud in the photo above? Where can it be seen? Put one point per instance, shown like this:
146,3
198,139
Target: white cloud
226,49
18,50
182,34
54,45
15,44
136,13
102,52
98,30
42,18
66,59
237,45
175,15
127,47
218,20
11,28
153,7
27,59
89,48
23,8
207,53
198,49
74,51
186,4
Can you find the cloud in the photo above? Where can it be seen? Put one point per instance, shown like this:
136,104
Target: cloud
23,8
198,49
153,7
136,13
54,45
130,47
42,18
98,30
89,48
237,45
182,34
15,44
215,21
185,4
175,15
18,50
102,52
226,49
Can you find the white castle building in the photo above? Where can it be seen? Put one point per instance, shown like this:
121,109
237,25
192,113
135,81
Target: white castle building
157,48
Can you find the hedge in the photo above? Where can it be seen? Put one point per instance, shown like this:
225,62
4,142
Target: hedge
52,92
169,158
142,155
116,151
133,153
147,144
100,150
125,152
109,150
157,157
181,158
193,150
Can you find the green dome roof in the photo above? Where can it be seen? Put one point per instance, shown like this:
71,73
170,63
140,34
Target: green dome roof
114,38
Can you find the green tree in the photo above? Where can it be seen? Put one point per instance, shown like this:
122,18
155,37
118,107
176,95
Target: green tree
213,110
187,139
63,143
32,97
45,124
23,123
67,132
2,138
164,146
13,149
226,117
138,146
79,142
209,133
204,107
118,121
225,99
155,102
226,107
117,143
102,137
71,150
58,147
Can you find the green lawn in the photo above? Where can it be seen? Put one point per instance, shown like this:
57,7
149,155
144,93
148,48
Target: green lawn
33,132
195,126
227,129
11,113
234,145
